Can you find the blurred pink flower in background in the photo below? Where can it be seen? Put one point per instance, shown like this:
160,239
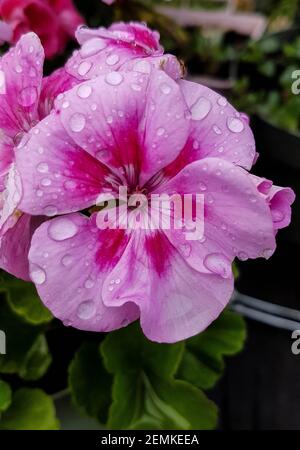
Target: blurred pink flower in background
54,21
108,2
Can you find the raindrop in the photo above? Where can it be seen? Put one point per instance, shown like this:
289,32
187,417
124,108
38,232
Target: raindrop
84,68
43,167
92,46
70,185
50,211
222,101
111,60
37,274
86,310
46,182
235,125
77,122
89,284
160,132
114,78
67,260
201,108
28,96
165,88
219,264
84,91
217,130
62,229
136,87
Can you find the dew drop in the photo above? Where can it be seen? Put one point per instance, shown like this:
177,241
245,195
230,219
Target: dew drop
77,122
222,101
28,96
136,87
46,182
219,264
43,167
50,211
92,46
37,274
111,60
84,68
201,108
165,88
114,78
142,66
243,256
70,185
62,229
86,310
67,260
89,284
84,91
235,125
217,130
160,132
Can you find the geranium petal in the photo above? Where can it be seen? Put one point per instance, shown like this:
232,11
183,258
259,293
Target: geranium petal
69,271
129,121
57,176
217,130
175,301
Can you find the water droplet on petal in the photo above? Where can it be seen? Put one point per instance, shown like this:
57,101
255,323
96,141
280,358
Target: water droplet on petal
28,96
84,68
70,185
243,256
201,108
142,66
222,101
50,211
84,91
67,260
267,253
92,46
111,60
43,167
62,228
235,125
165,88
77,122
160,132
86,310
218,264
217,130
136,87
46,182
37,274
89,284
114,78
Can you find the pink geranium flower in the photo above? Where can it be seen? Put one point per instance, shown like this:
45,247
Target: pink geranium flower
122,46
153,135
25,98
54,21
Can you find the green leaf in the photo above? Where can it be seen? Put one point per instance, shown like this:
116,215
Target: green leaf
5,396
24,301
129,349
160,404
27,352
31,409
145,393
37,360
203,362
90,383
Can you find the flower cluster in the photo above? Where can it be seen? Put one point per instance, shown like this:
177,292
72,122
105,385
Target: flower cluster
117,115
54,21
